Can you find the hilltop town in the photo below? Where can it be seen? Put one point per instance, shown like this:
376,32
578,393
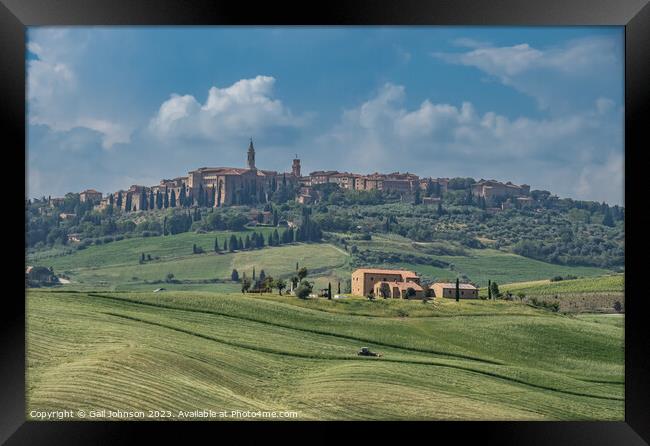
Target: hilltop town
226,186
344,208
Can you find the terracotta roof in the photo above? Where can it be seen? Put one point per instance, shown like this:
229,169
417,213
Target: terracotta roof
402,272
462,286
233,171
324,172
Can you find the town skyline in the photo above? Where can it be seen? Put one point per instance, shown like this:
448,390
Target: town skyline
307,175
107,109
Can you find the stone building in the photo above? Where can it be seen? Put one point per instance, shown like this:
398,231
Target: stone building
90,195
399,290
447,289
495,189
321,176
223,186
437,185
365,279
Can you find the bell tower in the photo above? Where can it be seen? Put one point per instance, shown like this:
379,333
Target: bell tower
251,155
295,167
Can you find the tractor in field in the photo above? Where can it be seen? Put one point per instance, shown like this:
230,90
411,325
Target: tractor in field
366,352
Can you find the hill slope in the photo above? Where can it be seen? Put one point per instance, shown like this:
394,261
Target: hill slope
188,351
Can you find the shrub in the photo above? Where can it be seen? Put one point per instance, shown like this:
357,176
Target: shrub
304,289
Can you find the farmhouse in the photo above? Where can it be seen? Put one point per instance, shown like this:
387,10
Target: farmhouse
467,291
365,279
399,290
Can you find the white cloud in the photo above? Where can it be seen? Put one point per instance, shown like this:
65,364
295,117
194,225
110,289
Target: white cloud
53,89
245,108
550,75
578,56
502,62
604,180
603,105
445,139
470,43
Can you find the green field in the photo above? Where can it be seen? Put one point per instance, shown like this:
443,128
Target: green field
116,265
593,294
486,360
105,341
480,265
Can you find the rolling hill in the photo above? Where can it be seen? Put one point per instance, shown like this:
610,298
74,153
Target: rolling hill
116,265
179,350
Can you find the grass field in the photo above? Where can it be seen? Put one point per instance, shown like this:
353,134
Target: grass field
593,294
191,350
480,265
116,265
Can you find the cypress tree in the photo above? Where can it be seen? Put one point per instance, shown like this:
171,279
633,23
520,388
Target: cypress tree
457,290
417,199
216,244
233,243
339,289
119,199
329,290
270,239
166,199
225,245
127,202
489,290
247,242
182,199
240,244
276,238
152,203
143,200
253,273
607,219
172,200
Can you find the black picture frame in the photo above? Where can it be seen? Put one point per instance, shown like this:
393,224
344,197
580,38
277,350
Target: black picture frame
634,15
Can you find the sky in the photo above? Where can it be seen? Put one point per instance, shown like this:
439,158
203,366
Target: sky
108,107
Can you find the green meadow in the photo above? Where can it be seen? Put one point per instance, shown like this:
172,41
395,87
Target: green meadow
106,341
481,360
592,294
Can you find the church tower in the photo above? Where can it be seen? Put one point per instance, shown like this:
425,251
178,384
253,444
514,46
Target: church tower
251,156
295,168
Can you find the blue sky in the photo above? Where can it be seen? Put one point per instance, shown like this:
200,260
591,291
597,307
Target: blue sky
113,106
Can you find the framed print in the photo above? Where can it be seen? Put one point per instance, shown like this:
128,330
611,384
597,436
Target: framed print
289,219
